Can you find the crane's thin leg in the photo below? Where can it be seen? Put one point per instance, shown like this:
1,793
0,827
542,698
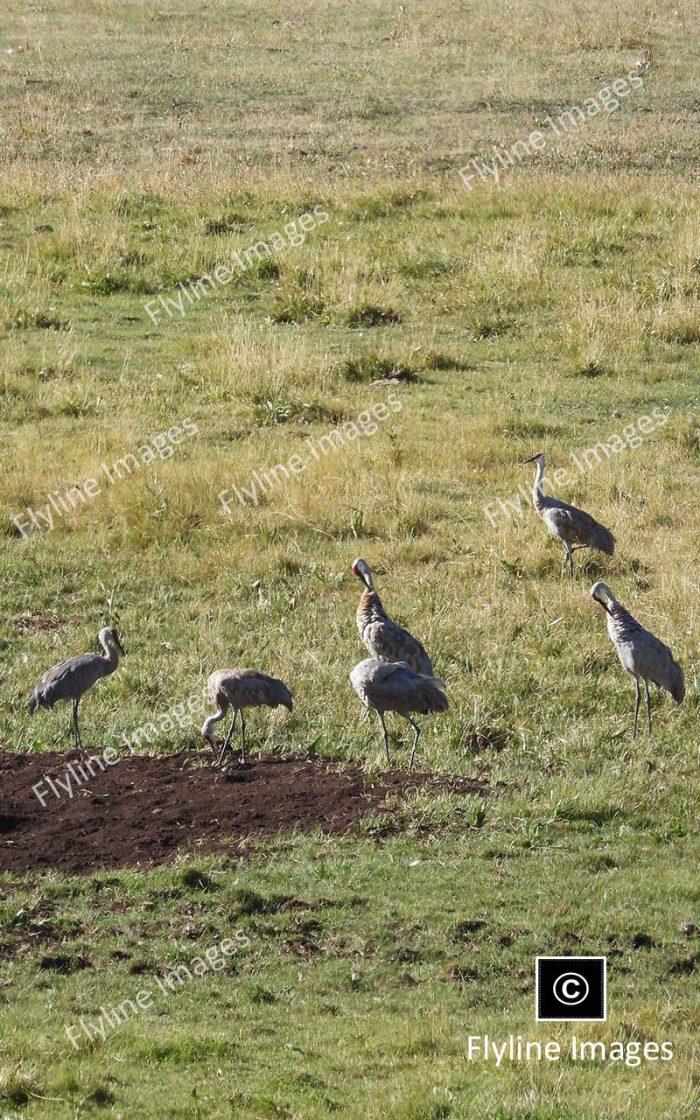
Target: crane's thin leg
636,707
76,729
231,729
416,730
227,740
386,738
646,685
244,756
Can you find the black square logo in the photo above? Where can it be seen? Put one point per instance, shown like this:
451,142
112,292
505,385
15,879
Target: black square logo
570,989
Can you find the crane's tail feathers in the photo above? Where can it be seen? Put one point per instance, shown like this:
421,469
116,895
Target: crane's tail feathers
425,665
677,688
281,695
42,697
602,539
432,698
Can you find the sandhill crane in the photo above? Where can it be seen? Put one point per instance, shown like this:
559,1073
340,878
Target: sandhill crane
239,689
384,639
393,686
644,63
640,652
72,678
575,528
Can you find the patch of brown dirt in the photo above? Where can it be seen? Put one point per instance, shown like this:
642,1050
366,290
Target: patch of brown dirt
142,810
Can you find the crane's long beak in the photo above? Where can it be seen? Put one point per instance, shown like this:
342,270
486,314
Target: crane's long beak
530,460
120,647
362,576
602,604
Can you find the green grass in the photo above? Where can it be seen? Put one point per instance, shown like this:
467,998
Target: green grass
553,312
361,980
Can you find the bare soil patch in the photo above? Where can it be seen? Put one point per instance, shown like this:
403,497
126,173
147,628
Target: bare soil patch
143,810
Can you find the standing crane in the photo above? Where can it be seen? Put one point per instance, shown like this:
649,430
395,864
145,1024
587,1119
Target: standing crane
393,686
640,652
385,640
642,64
574,527
239,689
72,678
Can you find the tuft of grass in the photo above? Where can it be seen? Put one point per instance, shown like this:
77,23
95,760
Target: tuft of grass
25,319
225,224
493,326
370,315
277,409
591,369
298,298
18,1083
683,332
371,367
261,996
438,360
195,879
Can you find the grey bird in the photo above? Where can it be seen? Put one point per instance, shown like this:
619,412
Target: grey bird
641,653
393,686
574,527
384,639
642,64
239,689
72,678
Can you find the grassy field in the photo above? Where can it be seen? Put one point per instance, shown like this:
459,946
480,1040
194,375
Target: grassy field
145,144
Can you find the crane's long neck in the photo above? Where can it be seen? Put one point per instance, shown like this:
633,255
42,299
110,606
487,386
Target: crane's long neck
538,495
111,654
621,624
370,609
208,725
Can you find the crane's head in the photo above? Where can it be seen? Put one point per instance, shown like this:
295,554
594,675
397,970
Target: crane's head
538,457
362,570
208,731
109,637
602,594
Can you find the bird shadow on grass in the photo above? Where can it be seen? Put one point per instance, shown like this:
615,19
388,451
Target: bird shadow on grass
599,816
585,569
592,569
485,739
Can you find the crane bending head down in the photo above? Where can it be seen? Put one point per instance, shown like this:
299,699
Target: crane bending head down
109,634
603,595
362,570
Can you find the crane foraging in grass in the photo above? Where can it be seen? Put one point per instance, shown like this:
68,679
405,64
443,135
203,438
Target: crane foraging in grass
393,686
70,679
385,640
239,689
641,653
642,64
574,527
